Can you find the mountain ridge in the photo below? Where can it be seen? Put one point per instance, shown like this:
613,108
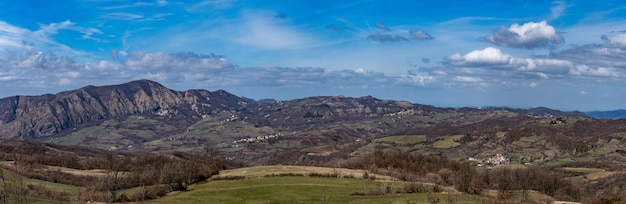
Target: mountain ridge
50,114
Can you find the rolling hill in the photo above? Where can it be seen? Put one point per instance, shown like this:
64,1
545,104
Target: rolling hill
144,116
79,128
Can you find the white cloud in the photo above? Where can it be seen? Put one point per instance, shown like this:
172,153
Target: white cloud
594,55
529,35
467,79
583,92
618,41
584,70
415,79
484,57
11,36
176,61
493,59
102,67
538,63
488,55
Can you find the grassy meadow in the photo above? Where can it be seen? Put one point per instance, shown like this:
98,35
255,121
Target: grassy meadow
305,190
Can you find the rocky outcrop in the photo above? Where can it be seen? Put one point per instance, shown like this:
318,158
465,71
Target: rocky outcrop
46,115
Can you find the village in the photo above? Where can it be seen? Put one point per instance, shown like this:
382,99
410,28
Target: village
257,138
490,162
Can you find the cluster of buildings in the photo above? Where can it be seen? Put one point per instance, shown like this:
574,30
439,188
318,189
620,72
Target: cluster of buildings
405,112
232,118
257,138
172,138
491,162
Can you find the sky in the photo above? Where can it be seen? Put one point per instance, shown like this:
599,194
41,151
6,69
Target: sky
567,55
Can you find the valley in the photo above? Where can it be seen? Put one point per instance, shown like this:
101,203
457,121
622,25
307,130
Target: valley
337,149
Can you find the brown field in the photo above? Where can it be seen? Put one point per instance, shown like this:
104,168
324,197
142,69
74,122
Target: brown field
77,172
262,171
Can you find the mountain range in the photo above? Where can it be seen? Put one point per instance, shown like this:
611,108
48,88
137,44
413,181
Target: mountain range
50,114
613,114
144,116
86,126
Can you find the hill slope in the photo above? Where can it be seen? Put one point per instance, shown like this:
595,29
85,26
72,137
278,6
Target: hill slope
143,116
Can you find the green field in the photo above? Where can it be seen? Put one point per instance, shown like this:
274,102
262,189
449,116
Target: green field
398,142
403,139
447,142
304,190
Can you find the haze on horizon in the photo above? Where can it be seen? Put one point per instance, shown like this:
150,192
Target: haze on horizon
568,55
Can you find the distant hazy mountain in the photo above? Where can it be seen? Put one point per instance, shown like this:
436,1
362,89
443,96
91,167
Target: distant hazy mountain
614,114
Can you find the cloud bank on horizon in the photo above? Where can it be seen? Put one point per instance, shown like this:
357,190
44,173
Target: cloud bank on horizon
569,55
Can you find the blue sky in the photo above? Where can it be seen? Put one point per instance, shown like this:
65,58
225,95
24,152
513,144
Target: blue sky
568,55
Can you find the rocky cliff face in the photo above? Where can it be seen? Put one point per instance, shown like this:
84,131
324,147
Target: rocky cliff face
46,115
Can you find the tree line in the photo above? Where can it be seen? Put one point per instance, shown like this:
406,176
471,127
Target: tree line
466,178
152,175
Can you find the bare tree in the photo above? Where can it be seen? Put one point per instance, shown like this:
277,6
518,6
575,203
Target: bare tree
114,175
4,195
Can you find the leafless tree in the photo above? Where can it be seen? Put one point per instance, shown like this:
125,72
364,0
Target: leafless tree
4,195
114,175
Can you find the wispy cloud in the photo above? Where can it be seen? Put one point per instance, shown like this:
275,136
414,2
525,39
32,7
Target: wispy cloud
336,28
261,30
386,38
420,35
210,4
124,16
557,10
126,6
467,79
382,26
11,36
88,33
156,17
14,38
